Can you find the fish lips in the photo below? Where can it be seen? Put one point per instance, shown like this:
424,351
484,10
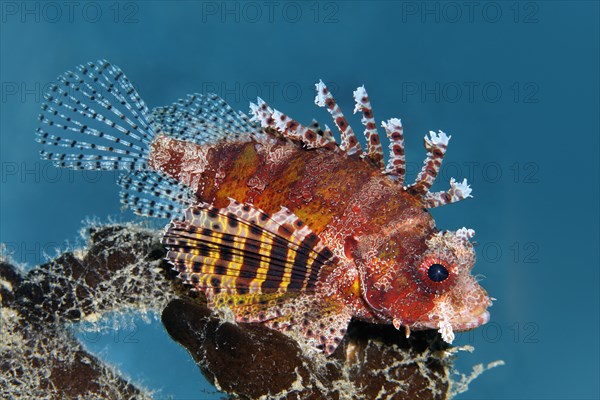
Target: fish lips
463,323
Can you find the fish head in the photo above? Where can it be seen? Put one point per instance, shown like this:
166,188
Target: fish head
424,282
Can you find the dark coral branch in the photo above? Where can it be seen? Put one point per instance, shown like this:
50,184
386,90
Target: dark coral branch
250,361
122,270
41,359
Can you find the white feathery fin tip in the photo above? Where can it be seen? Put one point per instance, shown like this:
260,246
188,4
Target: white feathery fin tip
458,191
465,234
437,139
392,123
359,94
461,189
261,113
320,97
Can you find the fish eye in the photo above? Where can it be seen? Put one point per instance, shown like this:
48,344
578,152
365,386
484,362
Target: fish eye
437,272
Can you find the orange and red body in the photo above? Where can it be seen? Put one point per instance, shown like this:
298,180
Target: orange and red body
274,221
339,197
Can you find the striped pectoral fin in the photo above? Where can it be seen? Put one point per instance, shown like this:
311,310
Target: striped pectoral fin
242,250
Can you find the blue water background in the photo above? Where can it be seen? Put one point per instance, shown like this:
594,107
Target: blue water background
515,84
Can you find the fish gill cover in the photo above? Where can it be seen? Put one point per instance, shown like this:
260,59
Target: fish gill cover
302,253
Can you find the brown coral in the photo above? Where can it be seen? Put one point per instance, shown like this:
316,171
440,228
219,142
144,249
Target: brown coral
122,270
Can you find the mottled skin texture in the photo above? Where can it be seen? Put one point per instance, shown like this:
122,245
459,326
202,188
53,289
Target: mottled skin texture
378,230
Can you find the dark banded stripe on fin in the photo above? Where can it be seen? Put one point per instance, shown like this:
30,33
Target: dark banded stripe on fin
240,249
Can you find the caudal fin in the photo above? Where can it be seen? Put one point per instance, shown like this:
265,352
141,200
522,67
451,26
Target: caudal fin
95,119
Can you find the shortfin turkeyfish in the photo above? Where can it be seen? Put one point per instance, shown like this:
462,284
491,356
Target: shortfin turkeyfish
275,221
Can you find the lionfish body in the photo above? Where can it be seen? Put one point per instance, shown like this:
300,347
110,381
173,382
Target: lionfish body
273,220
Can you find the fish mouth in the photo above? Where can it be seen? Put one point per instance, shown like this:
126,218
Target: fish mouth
472,322
463,323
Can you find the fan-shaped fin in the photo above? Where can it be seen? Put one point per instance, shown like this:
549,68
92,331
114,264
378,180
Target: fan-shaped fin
204,119
154,194
95,119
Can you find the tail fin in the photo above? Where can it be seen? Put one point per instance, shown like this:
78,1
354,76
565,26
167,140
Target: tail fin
95,119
